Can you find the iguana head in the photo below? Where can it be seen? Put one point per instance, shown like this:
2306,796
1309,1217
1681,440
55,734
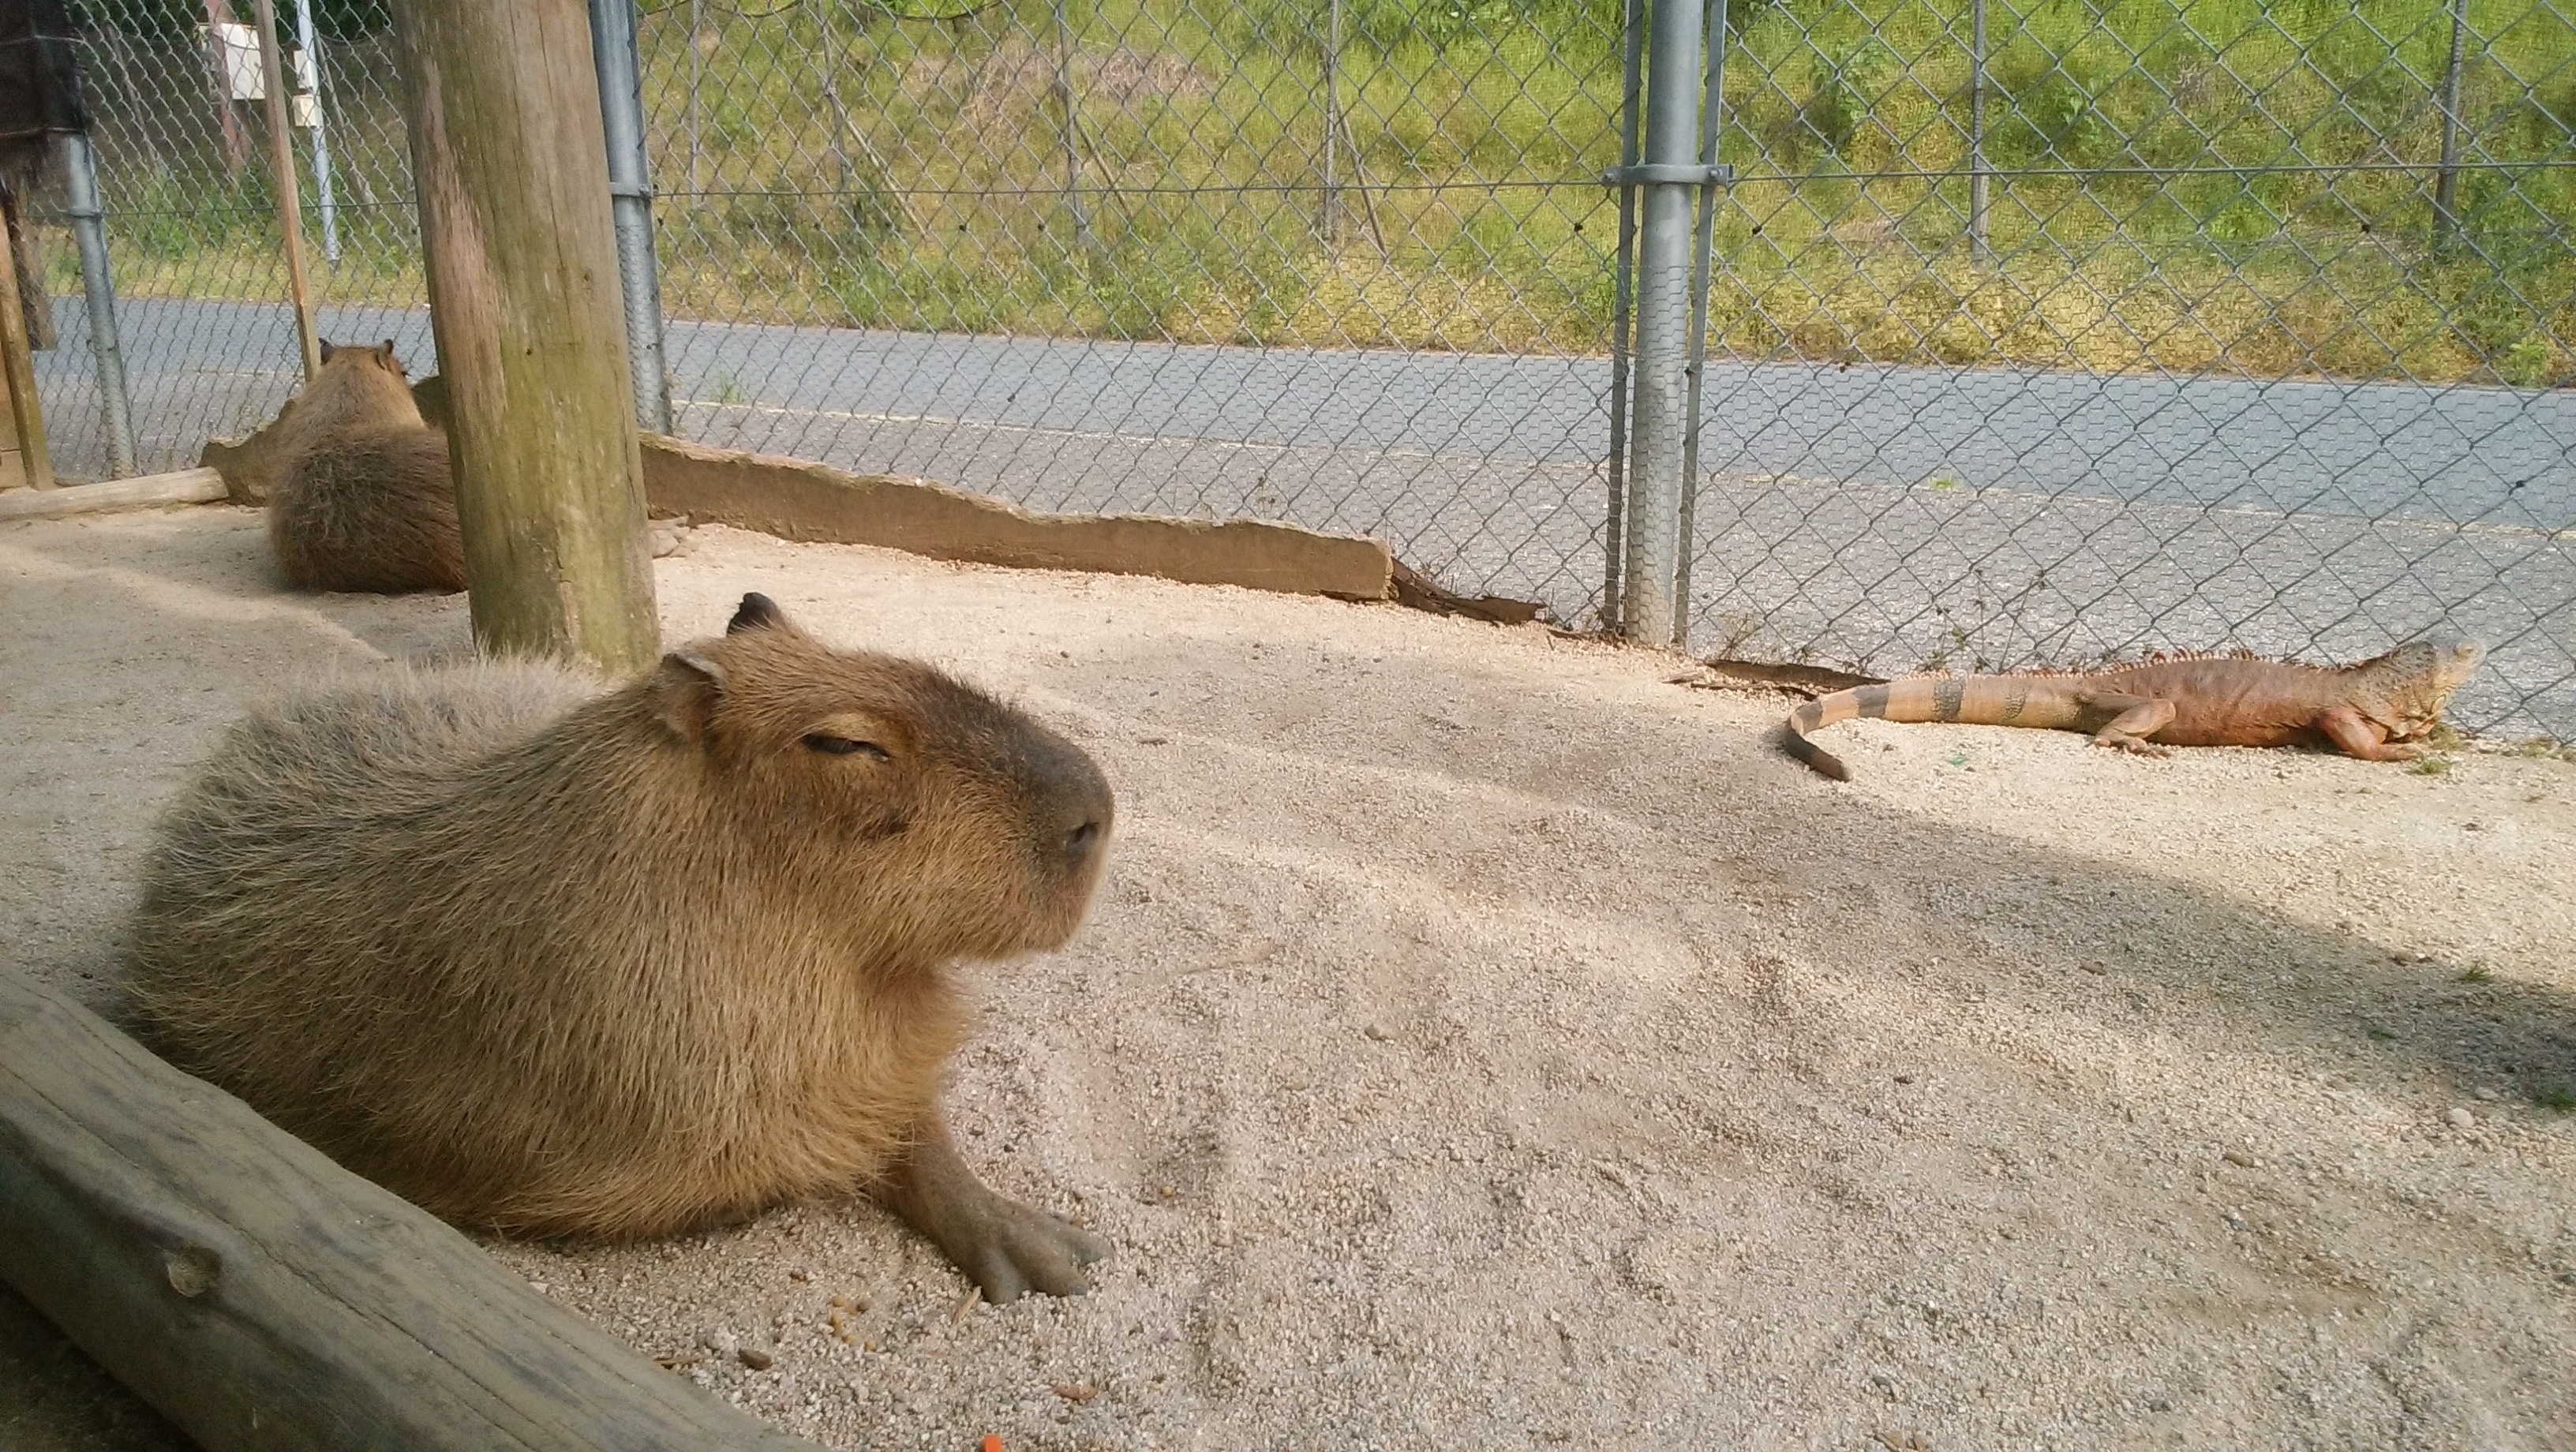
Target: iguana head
2414,680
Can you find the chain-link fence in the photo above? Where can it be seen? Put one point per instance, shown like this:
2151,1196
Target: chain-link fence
206,332
2053,333
2037,333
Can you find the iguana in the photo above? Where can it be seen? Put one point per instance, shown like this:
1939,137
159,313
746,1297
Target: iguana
2234,700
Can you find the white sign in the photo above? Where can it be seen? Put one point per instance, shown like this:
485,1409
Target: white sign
236,47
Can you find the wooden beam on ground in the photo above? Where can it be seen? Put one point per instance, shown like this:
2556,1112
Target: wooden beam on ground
502,101
261,1297
797,500
187,486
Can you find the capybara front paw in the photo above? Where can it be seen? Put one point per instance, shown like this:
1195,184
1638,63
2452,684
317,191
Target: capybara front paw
1026,1249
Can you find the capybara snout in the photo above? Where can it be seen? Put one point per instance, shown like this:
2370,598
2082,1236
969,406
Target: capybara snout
872,748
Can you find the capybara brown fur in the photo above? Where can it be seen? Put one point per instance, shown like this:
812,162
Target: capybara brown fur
560,960
364,500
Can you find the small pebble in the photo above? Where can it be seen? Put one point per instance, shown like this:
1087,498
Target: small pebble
2236,1221
2461,1119
2240,1157
799,1274
755,1358
717,1339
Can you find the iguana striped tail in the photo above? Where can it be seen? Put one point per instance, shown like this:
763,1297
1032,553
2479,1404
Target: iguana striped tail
1980,700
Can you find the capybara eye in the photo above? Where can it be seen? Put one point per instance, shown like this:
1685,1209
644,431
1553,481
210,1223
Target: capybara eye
831,745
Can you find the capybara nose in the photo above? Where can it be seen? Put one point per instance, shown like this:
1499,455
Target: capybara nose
1081,839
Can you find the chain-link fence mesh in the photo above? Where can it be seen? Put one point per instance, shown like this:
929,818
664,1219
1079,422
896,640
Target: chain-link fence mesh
2148,326
1341,265
180,133
2039,333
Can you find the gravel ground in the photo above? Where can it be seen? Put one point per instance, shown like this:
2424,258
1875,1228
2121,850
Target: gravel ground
1481,1041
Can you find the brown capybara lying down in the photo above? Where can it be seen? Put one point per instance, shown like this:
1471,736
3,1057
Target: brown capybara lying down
364,500
559,961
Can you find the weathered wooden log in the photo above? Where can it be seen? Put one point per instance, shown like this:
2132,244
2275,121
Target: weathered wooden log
187,486
259,1296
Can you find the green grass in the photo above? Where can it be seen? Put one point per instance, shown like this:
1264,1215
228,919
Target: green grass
1469,221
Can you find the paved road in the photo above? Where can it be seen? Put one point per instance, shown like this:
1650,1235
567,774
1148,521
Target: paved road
1867,514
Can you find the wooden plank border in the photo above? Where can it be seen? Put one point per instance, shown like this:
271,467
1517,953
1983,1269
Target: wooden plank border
794,499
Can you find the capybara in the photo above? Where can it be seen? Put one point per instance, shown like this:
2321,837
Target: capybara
364,500
560,961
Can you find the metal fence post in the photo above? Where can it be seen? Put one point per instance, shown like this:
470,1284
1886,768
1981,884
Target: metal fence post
1671,175
322,189
1623,308
1332,126
1703,258
630,189
1072,129
89,229
697,75
1977,183
2446,185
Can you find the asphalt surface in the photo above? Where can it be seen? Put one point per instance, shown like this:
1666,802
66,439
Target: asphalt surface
1868,517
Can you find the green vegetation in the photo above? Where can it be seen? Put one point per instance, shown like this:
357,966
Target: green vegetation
2136,224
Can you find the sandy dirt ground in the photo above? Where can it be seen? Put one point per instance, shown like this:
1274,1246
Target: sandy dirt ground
1480,1041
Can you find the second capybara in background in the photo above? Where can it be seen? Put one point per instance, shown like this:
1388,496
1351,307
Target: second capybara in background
560,959
364,500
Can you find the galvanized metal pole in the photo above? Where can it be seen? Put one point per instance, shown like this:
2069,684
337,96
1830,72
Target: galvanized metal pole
697,76
630,193
1977,242
1671,175
89,229
2446,186
1333,126
1703,250
322,191
1623,312
1072,129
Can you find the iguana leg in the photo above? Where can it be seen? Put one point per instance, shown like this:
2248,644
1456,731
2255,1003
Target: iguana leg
2360,736
2136,719
1006,1247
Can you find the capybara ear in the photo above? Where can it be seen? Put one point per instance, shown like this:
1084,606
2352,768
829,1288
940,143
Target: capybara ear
757,612
388,351
328,348
686,687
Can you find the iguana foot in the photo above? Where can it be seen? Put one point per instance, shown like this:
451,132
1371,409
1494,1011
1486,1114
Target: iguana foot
2135,746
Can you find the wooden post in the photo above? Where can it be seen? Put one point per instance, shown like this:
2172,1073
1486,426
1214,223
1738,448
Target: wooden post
262,1297
511,161
23,458
219,13
290,205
